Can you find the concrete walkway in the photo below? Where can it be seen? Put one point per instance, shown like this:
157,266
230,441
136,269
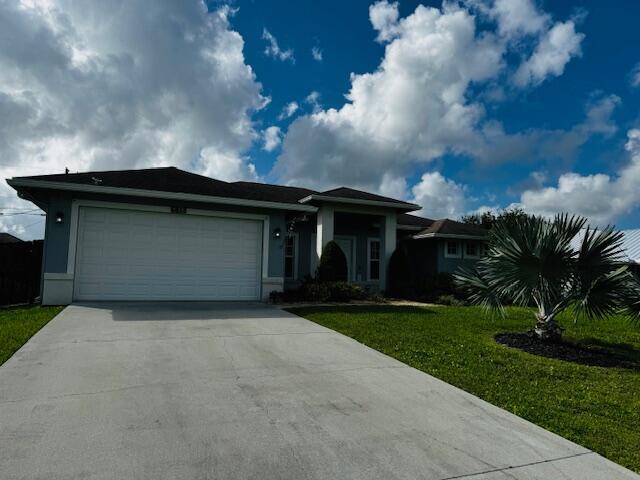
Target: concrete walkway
206,391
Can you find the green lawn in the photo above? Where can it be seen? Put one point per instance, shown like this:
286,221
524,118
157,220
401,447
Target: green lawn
593,406
19,324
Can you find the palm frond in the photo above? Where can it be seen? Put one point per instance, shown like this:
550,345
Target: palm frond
478,290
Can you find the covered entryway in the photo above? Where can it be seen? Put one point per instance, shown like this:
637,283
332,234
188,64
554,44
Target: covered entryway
140,255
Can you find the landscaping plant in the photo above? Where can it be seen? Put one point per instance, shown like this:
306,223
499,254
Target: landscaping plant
531,262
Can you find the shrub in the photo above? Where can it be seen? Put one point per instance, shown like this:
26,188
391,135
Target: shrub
399,275
438,285
450,300
332,266
345,292
315,291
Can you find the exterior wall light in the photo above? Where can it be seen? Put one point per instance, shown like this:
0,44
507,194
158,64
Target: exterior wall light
277,233
59,217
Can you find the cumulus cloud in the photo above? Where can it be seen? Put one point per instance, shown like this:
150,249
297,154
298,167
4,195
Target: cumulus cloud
272,138
555,147
439,196
602,198
288,110
273,50
556,48
634,76
384,18
316,53
122,84
313,99
417,105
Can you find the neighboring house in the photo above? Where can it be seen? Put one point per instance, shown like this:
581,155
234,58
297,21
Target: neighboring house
8,238
167,234
630,245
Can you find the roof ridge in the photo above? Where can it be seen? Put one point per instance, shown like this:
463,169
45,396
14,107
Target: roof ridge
273,185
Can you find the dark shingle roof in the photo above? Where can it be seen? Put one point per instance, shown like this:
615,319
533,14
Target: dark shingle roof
451,227
291,194
413,220
174,180
8,238
351,193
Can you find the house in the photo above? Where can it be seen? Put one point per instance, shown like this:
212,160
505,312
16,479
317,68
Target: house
8,238
168,234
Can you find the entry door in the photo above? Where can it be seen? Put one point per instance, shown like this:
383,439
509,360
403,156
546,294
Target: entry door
346,245
138,255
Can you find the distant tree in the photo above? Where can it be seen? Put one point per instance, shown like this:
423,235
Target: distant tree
332,266
488,219
532,261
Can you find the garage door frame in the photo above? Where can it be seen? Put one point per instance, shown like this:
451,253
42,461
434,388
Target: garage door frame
75,219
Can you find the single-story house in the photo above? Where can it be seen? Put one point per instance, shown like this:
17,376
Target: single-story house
168,234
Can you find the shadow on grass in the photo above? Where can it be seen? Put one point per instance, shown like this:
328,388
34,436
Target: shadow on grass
359,309
592,352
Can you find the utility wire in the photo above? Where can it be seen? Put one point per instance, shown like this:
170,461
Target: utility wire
31,224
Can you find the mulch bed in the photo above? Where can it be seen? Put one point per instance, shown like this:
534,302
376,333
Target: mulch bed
566,351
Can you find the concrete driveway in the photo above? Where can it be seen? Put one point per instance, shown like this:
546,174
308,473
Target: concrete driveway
206,391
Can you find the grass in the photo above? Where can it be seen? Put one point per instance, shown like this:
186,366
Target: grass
19,324
596,407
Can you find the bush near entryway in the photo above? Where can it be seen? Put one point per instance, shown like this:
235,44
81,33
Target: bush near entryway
312,290
399,276
332,266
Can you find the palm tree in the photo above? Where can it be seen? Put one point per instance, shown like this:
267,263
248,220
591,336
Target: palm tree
531,262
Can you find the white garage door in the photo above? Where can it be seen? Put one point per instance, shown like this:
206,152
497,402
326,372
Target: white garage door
135,255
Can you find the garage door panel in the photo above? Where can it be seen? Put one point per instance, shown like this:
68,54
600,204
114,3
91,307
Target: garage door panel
133,255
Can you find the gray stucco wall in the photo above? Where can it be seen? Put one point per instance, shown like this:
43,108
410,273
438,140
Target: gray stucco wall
57,235
450,265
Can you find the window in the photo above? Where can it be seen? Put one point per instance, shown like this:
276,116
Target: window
290,246
374,259
472,250
451,249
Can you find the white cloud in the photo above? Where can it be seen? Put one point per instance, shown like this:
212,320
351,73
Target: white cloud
557,46
514,18
384,18
313,99
316,53
272,138
288,110
634,76
602,198
273,50
439,196
416,106
121,84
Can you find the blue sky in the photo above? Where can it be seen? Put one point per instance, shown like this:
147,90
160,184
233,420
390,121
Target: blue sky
460,107
347,42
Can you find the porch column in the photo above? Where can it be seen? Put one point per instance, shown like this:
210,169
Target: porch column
389,246
324,228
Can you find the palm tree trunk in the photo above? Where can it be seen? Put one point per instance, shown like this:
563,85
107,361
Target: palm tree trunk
547,329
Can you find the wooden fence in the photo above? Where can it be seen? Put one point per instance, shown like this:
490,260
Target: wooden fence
20,267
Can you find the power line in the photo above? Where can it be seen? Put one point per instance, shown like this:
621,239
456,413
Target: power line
31,225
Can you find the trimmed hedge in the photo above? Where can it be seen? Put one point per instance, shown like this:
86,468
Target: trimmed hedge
399,278
332,266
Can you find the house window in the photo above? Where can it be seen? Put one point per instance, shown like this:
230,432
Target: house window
374,259
290,247
452,250
472,250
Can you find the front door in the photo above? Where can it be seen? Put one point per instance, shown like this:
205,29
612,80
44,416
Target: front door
346,245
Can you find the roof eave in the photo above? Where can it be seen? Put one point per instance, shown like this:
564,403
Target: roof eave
20,183
404,206
449,235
